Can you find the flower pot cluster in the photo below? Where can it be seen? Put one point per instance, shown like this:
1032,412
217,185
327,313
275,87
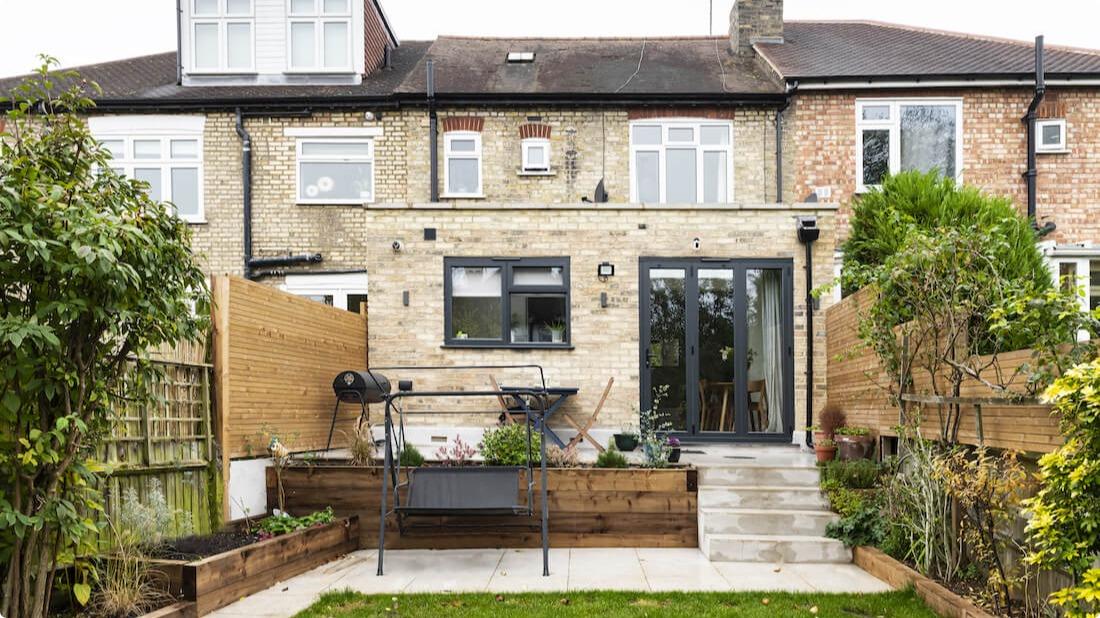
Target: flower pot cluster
833,438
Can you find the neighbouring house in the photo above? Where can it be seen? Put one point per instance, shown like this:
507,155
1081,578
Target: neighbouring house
649,210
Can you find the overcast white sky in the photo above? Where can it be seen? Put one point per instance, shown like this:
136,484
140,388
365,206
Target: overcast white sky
86,31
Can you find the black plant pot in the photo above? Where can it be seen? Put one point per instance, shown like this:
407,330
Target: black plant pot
674,455
626,442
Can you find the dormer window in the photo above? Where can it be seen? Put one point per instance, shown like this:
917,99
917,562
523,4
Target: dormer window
320,35
222,36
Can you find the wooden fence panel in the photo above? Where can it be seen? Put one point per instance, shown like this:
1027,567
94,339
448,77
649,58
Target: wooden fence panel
858,384
276,355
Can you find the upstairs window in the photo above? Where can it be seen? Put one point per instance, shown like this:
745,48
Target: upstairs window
1050,135
536,154
681,161
320,35
222,37
895,136
335,171
462,171
171,166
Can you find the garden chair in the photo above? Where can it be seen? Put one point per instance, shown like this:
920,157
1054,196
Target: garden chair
582,432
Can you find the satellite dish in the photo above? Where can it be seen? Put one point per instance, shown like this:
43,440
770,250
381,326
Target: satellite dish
601,193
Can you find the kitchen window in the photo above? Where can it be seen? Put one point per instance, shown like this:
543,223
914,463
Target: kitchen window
340,290
681,161
507,302
335,171
898,135
222,36
320,35
462,168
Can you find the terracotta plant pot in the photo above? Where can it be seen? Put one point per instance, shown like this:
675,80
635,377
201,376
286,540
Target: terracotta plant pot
821,435
824,453
855,447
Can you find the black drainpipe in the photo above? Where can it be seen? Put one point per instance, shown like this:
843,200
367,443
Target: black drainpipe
791,87
1029,120
179,42
808,232
246,183
433,133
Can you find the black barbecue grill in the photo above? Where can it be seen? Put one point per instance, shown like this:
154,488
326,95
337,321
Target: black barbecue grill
361,387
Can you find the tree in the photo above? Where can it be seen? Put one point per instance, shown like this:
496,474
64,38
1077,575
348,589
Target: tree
93,274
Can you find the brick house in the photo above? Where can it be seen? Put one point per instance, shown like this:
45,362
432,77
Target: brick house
626,208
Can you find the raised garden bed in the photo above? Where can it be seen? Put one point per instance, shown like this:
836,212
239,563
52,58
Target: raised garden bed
943,601
217,580
589,507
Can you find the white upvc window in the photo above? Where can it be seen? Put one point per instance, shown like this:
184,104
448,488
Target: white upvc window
335,170
1050,135
320,35
897,135
536,154
340,290
462,164
223,36
163,151
681,161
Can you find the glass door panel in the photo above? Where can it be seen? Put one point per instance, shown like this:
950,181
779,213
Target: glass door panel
717,321
765,350
666,363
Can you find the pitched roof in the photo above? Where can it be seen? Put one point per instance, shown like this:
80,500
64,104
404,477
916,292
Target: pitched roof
152,79
857,49
595,66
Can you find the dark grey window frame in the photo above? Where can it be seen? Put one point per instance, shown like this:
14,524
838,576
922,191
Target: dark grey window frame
507,264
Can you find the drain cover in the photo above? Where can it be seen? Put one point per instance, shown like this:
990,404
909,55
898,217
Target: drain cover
739,457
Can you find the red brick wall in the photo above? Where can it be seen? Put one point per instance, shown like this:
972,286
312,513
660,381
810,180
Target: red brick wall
822,135
375,37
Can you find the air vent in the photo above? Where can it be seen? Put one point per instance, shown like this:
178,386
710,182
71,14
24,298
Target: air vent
520,57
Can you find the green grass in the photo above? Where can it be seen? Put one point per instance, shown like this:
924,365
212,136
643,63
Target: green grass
348,604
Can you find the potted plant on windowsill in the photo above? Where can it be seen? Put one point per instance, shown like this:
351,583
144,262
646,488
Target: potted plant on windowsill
673,449
627,439
557,332
825,449
854,443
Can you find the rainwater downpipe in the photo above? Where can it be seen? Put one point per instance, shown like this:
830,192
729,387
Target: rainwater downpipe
246,182
433,133
1029,120
808,232
179,42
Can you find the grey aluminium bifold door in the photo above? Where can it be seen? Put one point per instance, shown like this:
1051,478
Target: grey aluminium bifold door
716,346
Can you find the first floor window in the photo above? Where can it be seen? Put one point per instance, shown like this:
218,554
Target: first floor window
894,136
507,302
170,166
340,290
681,161
335,171
536,154
1050,135
462,168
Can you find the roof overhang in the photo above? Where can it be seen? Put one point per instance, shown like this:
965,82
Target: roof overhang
940,81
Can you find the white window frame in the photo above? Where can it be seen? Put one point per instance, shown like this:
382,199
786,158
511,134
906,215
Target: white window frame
1057,148
534,142
448,155
318,18
893,125
223,19
337,285
164,129
302,158
667,124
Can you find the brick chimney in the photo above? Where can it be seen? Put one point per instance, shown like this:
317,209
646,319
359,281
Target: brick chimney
752,21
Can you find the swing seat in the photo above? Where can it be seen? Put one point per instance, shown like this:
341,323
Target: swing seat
464,491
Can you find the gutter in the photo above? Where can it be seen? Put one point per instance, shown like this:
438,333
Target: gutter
849,83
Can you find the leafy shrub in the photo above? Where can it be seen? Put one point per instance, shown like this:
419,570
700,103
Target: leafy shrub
843,500
507,445
278,525
611,458
852,431
1065,513
863,527
831,417
856,474
411,457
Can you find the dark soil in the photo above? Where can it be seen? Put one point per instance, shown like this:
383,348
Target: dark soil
194,547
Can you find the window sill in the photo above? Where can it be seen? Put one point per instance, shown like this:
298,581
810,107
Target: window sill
536,173
333,202
194,221
1059,151
343,71
462,196
492,345
222,72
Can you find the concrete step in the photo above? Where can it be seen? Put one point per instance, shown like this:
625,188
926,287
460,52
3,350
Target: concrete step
761,497
774,549
750,475
764,521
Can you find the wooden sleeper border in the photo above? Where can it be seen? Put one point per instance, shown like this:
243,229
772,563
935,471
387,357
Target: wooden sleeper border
940,599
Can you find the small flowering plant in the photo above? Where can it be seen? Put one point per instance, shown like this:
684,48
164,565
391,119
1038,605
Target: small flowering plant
460,453
673,442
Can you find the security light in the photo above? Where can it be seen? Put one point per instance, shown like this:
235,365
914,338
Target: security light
605,270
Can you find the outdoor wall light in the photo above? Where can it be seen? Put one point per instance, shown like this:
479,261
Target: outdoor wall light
605,270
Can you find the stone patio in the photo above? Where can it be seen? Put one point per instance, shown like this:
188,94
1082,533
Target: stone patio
520,570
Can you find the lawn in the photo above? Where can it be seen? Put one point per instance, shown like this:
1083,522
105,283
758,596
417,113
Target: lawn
348,604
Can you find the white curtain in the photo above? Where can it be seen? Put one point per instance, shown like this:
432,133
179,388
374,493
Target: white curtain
771,321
